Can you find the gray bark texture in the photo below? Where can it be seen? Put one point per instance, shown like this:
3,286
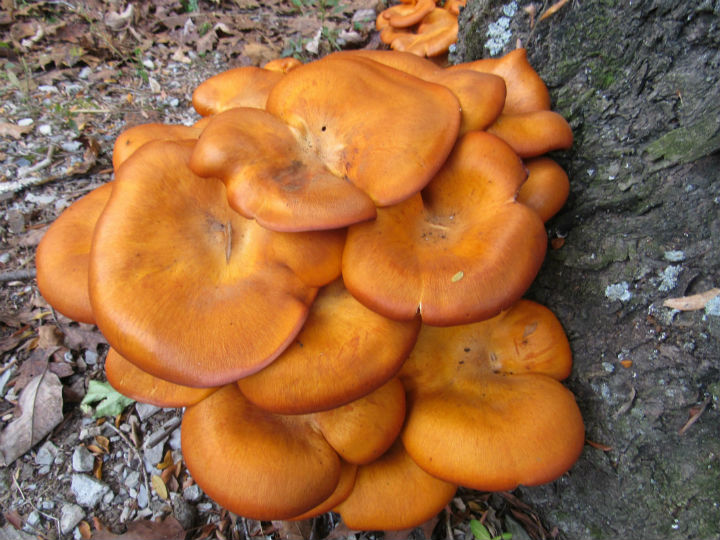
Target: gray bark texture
638,82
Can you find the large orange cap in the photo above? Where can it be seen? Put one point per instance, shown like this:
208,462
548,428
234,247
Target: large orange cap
407,14
134,383
247,86
348,472
546,188
283,65
485,408
132,139
481,95
526,91
534,133
364,429
255,463
346,110
343,352
63,256
272,177
459,252
434,35
189,290
393,493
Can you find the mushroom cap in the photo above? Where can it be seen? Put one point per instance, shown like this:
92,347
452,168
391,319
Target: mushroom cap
131,381
393,493
434,35
133,138
485,408
63,256
442,252
405,15
343,352
546,189
246,86
534,133
283,65
481,95
348,472
274,179
526,90
255,463
453,6
189,290
364,429
340,106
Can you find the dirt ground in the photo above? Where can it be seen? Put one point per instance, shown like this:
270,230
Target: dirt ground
74,75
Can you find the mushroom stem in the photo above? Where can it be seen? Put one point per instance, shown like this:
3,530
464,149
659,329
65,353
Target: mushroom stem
227,230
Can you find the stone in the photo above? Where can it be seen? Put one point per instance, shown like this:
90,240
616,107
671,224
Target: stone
192,493
88,490
70,516
46,454
82,460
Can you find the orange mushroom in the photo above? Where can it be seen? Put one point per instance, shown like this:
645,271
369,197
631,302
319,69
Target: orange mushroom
460,251
546,188
63,256
534,133
407,14
393,493
189,290
246,86
485,408
132,139
283,65
263,465
526,90
343,352
131,381
433,36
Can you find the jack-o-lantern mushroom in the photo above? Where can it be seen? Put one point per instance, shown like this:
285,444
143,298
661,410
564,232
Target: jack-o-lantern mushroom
432,37
267,466
393,493
63,256
460,251
546,188
343,352
133,138
246,86
485,408
186,288
303,166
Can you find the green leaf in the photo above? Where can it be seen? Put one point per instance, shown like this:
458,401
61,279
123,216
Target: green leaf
479,530
109,401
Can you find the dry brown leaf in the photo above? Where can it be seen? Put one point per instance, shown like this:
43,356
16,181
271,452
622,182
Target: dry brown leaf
168,529
693,302
293,530
49,336
83,336
41,404
553,9
8,129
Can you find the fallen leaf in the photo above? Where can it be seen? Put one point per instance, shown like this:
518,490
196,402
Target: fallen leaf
83,336
168,529
49,337
110,401
159,486
41,405
693,302
13,130
553,9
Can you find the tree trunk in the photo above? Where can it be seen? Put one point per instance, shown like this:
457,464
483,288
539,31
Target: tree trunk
638,82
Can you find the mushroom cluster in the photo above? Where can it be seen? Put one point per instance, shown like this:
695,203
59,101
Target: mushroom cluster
326,272
420,27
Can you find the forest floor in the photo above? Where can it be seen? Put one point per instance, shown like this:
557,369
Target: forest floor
74,75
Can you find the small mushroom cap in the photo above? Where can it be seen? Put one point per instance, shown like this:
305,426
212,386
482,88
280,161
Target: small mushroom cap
534,133
247,86
132,139
348,472
283,65
189,290
405,15
442,252
254,463
453,6
343,352
526,90
364,429
340,106
63,256
273,178
546,189
136,384
393,493
434,35
485,408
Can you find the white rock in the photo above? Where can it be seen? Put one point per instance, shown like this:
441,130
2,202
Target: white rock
145,410
46,454
25,122
88,491
82,460
70,515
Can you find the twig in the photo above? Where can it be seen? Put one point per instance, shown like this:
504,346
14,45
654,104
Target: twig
7,366
45,515
27,181
138,454
17,275
695,416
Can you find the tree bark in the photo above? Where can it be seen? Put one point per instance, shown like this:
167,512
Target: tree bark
638,82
